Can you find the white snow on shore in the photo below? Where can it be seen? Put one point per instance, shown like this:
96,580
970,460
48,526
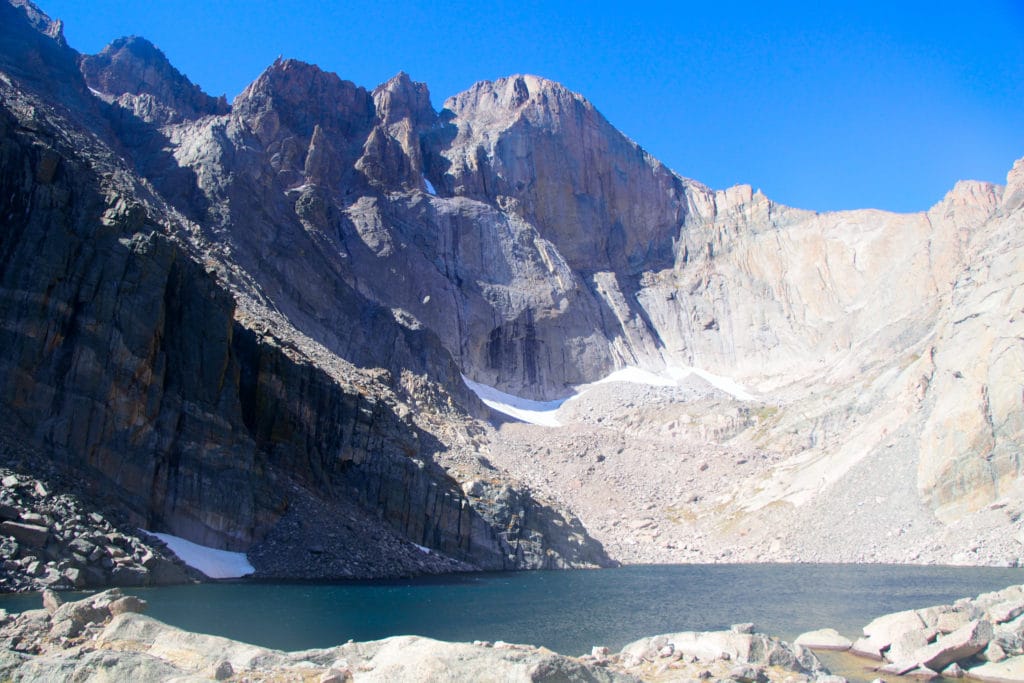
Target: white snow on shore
543,412
217,564
523,409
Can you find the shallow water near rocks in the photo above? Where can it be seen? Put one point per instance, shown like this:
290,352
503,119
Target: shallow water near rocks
567,611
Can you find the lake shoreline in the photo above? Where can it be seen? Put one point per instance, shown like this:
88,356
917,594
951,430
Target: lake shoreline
981,637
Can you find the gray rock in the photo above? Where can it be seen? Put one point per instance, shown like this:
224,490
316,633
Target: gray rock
824,639
966,641
74,577
334,676
1011,669
51,601
1005,611
127,576
30,534
128,603
907,644
953,620
222,670
994,652
748,674
866,647
885,629
953,671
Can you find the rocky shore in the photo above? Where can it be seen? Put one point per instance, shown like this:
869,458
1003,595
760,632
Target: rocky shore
54,537
980,638
107,637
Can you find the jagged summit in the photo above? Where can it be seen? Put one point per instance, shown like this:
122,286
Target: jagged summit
40,21
297,96
400,98
138,76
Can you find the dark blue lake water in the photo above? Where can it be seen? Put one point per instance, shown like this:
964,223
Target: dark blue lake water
567,611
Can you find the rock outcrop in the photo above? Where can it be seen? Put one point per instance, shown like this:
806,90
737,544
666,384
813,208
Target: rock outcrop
136,75
981,638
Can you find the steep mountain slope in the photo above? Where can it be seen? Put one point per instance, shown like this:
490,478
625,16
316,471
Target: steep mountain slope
233,317
203,410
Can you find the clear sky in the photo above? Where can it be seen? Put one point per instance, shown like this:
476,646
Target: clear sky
827,105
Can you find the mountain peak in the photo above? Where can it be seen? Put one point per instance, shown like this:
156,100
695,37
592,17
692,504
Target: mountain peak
401,97
301,96
136,73
41,21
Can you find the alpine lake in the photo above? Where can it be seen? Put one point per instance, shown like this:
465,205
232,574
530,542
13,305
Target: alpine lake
566,611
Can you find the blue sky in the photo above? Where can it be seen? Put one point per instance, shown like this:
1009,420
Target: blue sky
822,106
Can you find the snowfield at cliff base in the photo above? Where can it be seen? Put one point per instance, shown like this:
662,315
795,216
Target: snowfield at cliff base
543,413
217,564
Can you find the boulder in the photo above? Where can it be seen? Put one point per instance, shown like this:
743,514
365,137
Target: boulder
221,671
966,641
740,648
30,534
906,645
746,673
824,639
51,601
885,629
1011,669
70,619
952,620
866,647
128,603
1005,611
129,576
993,653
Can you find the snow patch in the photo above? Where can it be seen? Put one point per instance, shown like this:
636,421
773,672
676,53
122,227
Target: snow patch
523,409
217,564
543,412
673,375
422,548
430,186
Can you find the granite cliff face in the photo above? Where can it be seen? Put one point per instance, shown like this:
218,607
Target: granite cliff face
226,314
143,357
